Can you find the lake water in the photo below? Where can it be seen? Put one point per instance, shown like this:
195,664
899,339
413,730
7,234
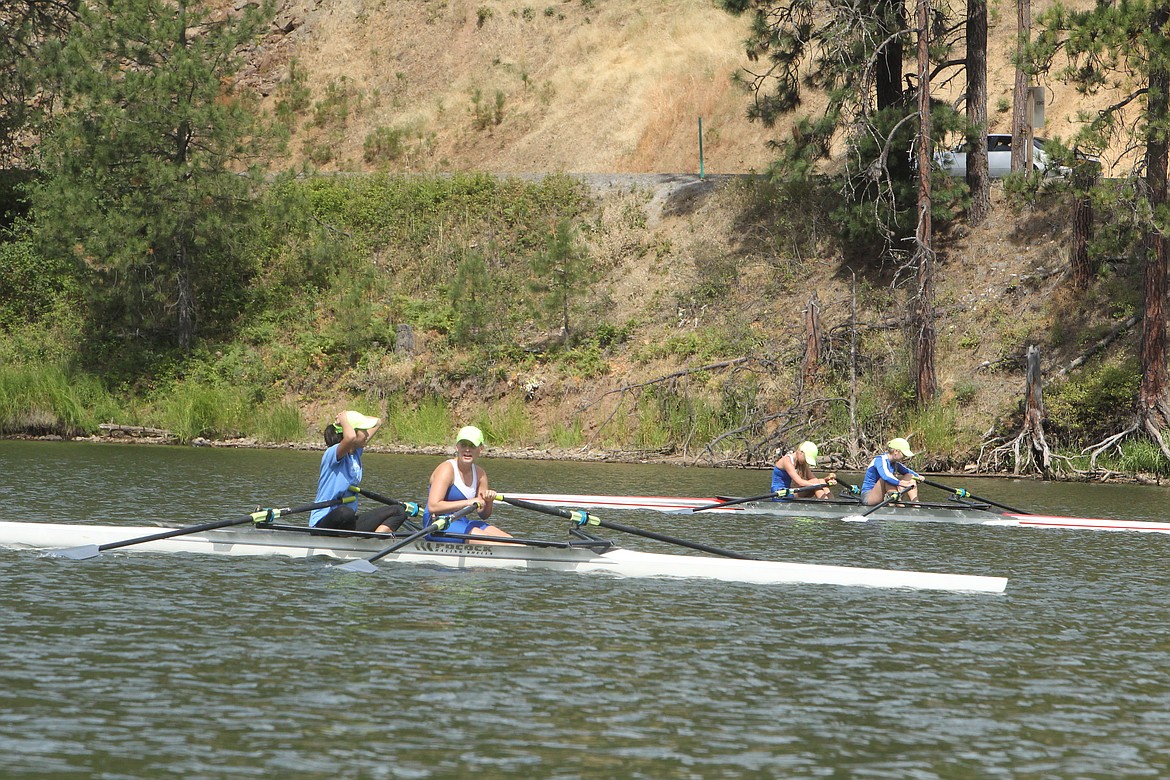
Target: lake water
138,665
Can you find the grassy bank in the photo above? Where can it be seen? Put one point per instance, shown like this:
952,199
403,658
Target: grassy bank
553,316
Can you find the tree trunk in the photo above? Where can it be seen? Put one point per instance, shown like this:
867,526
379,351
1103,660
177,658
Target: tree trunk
1153,407
924,385
1021,102
977,177
1034,415
185,303
891,16
812,336
1082,269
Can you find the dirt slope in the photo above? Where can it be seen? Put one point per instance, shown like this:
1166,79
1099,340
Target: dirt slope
510,86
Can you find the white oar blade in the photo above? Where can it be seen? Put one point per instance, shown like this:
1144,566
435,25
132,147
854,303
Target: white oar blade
855,519
76,553
361,566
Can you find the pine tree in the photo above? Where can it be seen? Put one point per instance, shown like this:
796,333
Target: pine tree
1128,44
558,272
26,27
142,168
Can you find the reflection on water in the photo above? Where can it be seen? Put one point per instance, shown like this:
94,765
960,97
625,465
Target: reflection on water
138,665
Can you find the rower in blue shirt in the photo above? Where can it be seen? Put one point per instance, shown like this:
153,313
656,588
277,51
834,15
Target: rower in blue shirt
793,471
341,466
887,474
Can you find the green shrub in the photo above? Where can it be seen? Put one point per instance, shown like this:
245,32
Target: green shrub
191,409
383,144
428,422
1092,405
43,399
280,423
1137,456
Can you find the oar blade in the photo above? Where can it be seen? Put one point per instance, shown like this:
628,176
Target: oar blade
359,566
76,553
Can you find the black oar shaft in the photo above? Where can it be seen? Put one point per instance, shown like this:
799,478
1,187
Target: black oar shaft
734,501
594,520
377,496
366,565
673,540
194,529
544,508
880,504
781,493
956,491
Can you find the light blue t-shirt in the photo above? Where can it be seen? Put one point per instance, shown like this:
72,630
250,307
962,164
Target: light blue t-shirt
336,477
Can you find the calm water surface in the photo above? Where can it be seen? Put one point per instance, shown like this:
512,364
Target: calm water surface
136,665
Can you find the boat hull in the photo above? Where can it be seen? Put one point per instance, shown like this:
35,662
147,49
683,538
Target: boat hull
844,510
615,561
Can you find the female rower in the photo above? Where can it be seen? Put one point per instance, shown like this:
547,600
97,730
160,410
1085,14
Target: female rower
459,482
887,474
341,466
793,471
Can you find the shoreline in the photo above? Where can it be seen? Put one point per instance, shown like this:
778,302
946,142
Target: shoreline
158,437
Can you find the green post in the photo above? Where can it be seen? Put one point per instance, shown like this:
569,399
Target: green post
700,147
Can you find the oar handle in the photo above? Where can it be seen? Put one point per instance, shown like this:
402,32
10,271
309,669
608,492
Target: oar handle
412,509
258,516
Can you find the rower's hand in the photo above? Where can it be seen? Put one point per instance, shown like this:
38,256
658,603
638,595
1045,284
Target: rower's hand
831,479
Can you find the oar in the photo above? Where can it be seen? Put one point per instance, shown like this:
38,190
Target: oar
854,491
781,493
412,509
584,518
962,493
861,517
259,516
366,565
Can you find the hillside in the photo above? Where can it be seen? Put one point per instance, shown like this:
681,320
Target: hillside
613,91
576,86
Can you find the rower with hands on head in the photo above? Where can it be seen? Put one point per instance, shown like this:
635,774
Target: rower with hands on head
793,471
887,475
341,466
460,482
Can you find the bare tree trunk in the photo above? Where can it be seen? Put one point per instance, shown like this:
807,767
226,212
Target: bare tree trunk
185,302
1081,266
1034,415
855,444
978,179
812,339
1153,407
1021,102
890,15
924,384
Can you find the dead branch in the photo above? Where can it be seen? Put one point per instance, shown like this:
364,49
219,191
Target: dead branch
666,378
1109,338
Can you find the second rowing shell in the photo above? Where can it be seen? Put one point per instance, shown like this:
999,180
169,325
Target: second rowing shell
940,512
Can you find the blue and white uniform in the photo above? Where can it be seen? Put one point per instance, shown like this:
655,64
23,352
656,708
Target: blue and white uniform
884,470
335,478
459,491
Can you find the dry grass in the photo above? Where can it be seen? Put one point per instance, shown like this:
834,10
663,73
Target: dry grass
586,87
